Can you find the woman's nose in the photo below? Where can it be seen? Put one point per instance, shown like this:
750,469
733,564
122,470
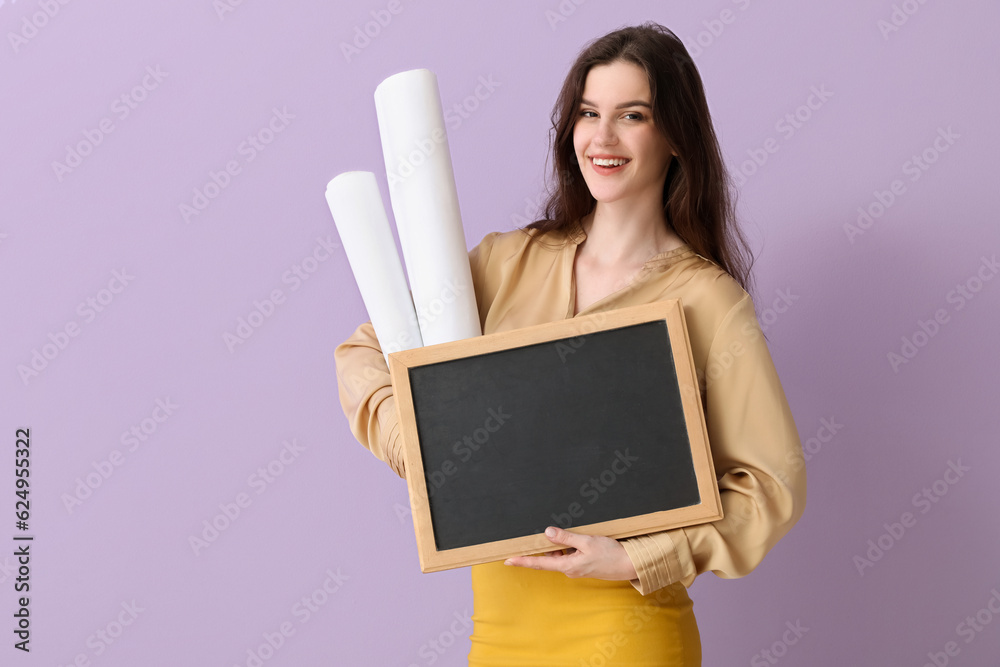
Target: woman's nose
606,133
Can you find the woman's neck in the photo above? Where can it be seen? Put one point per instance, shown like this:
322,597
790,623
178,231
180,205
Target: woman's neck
618,235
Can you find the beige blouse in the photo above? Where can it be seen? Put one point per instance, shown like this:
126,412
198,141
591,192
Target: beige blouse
755,446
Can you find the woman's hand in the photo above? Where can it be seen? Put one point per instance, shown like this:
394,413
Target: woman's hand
587,556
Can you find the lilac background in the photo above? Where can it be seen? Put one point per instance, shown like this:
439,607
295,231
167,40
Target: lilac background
335,507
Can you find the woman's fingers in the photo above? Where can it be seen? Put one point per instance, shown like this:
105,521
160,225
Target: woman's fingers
582,556
571,540
551,560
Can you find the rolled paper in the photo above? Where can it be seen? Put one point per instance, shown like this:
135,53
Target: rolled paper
364,230
425,204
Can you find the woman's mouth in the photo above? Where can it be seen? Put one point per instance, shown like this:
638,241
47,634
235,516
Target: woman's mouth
608,165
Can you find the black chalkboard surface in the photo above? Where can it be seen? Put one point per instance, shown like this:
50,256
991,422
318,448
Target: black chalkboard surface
592,423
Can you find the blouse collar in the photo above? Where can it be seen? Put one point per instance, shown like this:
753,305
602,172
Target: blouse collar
577,236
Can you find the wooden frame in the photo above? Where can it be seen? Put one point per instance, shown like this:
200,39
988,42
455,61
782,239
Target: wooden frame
569,333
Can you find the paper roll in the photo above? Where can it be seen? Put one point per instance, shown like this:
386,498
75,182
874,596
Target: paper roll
425,204
364,230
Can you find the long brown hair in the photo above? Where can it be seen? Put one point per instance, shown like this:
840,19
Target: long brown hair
697,199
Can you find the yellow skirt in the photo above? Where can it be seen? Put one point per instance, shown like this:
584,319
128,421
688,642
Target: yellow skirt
532,617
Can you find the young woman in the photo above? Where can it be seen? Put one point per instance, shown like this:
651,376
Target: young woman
641,211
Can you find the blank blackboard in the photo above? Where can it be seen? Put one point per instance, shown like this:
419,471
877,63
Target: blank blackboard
593,424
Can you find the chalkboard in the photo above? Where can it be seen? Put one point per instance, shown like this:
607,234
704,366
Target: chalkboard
592,423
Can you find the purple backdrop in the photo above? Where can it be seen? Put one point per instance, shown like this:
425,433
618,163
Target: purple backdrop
195,490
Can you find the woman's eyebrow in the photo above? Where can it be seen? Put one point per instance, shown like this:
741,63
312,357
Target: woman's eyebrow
623,105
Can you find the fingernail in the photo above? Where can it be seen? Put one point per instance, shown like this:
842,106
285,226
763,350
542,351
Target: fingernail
507,562
550,532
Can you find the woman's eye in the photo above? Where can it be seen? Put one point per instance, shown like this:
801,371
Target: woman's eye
633,115
584,114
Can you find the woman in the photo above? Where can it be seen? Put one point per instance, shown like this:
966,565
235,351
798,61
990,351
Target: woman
641,212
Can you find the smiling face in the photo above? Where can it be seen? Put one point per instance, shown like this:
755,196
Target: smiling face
622,155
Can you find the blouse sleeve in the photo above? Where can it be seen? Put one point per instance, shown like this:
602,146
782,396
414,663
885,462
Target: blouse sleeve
758,462
364,383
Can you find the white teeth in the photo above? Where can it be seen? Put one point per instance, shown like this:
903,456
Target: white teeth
613,162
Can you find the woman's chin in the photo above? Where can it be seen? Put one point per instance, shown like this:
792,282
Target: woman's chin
605,196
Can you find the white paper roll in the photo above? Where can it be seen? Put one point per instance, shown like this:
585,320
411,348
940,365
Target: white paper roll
425,204
363,226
